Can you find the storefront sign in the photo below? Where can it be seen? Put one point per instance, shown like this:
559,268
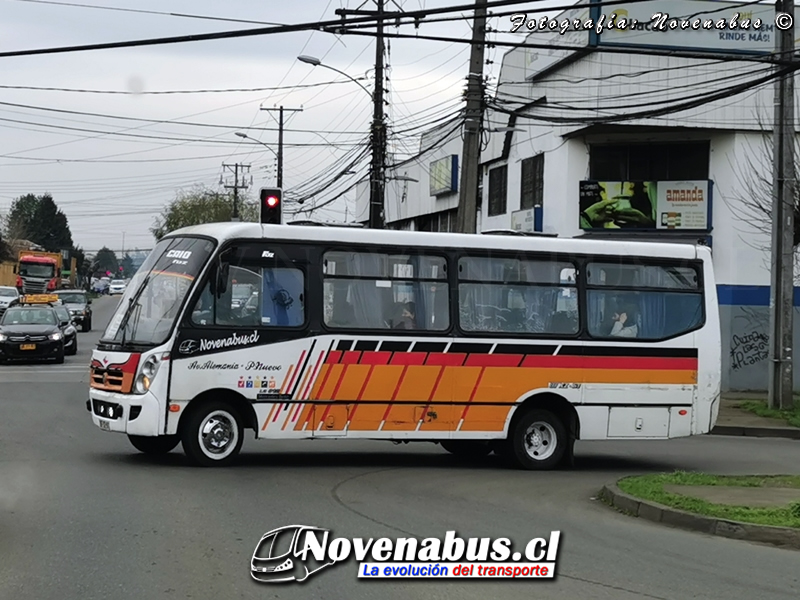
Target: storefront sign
645,205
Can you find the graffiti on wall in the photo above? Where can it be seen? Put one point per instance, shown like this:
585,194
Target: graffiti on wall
749,349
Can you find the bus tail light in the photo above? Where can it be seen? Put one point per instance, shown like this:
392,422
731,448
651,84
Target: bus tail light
682,412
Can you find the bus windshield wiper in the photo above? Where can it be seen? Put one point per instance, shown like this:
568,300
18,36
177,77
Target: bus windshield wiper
131,303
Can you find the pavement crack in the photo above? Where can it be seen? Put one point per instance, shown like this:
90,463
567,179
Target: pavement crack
343,504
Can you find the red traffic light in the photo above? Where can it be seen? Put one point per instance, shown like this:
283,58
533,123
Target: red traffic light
271,205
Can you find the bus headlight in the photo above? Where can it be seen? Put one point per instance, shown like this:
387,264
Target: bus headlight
150,366
147,373
142,384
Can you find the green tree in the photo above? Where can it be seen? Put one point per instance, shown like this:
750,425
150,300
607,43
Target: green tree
127,265
50,228
201,205
39,220
21,217
105,261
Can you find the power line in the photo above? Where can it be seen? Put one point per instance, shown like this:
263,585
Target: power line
148,12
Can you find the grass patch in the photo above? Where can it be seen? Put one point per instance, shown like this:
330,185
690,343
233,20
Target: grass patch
760,408
651,487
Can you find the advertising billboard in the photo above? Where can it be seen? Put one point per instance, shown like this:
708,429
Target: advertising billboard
645,205
697,25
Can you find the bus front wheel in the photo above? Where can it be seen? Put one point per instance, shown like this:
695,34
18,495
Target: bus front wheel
161,444
538,440
213,434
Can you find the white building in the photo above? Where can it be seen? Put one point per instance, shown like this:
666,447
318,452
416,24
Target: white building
696,174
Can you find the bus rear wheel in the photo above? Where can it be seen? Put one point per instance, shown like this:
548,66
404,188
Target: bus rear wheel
157,445
213,434
467,448
538,441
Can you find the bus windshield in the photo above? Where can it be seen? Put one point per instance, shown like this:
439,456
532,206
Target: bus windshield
153,299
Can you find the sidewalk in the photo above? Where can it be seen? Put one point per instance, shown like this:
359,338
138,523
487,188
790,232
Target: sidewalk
733,420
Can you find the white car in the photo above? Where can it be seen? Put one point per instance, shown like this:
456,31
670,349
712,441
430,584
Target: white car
9,296
117,287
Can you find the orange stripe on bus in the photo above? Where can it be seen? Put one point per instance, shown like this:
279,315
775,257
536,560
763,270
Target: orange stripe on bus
418,383
380,387
286,379
271,410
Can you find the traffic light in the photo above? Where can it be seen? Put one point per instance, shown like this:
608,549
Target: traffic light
271,200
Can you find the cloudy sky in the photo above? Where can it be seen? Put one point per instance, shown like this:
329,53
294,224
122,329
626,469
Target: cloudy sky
112,175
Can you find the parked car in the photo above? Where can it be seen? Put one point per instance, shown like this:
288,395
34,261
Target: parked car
9,296
68,328
117,287
78,304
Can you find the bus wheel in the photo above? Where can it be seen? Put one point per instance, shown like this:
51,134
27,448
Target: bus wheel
161,444
466,448
212,435
538,440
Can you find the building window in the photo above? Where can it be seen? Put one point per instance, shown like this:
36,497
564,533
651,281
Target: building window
510,295
532,187
649,302
366,290
649,162
498,188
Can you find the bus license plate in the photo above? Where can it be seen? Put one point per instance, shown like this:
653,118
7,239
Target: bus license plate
105,425
28,347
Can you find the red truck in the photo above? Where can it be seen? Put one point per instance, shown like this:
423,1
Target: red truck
38,272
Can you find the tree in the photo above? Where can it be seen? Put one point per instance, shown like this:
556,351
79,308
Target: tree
104,262
127,265
201,205
39,220
754,192
21,217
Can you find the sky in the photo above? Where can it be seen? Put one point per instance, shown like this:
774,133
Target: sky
111,182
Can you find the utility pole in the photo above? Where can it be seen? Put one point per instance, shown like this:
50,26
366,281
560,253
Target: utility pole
467,215
281,110
782,265
377,178
237,185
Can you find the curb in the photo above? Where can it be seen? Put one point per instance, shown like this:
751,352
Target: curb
787,537
762,432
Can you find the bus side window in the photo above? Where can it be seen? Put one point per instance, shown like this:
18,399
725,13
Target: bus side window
282,297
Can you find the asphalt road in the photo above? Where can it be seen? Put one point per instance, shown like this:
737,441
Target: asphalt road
83,515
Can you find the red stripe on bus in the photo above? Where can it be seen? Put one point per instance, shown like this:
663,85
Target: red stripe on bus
445,360
409,358
296,373
376,358
433,393
609,362
493,360
396,391
333,357
351,358
361,393
307,391
474,391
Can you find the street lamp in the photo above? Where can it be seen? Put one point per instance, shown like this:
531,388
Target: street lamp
277,154
378,143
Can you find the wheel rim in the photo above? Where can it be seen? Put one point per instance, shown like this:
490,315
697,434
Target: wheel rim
218,434
540,440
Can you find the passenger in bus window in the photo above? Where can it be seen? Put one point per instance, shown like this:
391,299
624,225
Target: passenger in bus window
625,323
408,317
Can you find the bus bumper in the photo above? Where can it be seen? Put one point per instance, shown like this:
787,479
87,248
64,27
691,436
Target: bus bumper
125,413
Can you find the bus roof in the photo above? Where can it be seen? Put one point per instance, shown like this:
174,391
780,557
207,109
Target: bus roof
232,230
